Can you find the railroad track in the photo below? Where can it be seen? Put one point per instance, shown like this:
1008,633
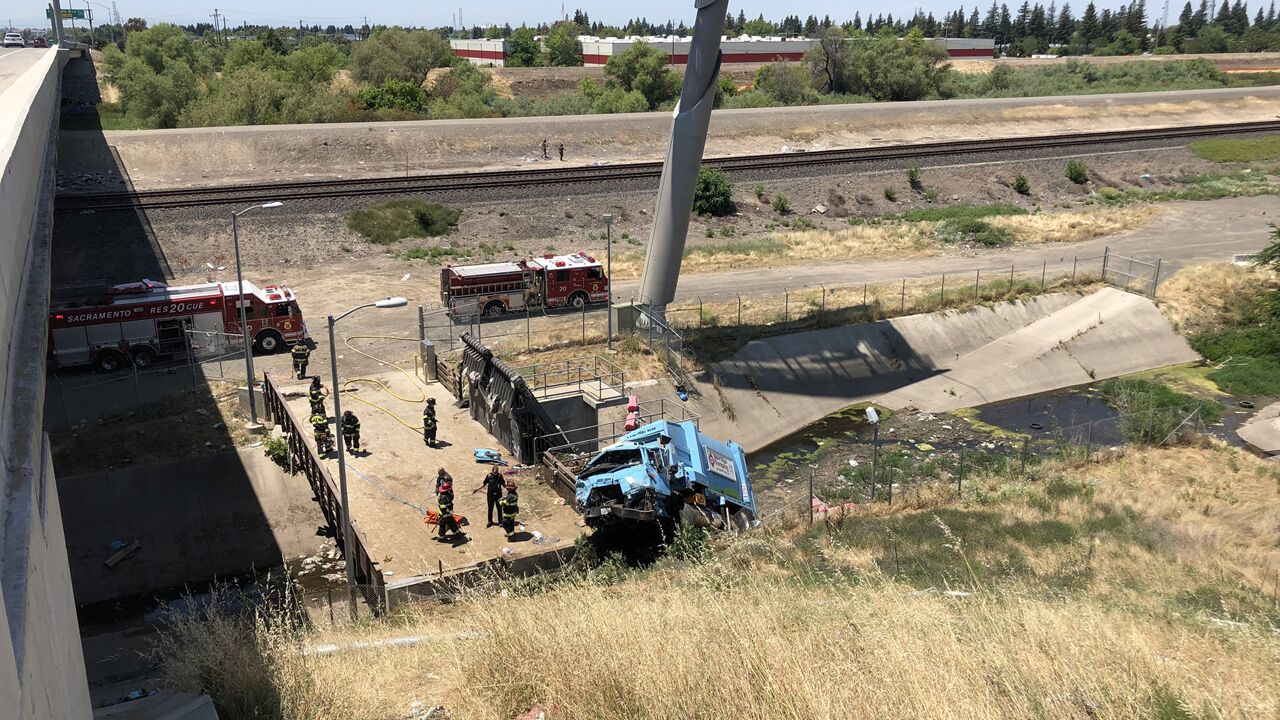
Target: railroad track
453,182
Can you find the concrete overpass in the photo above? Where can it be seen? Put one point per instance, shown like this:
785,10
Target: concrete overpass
42,672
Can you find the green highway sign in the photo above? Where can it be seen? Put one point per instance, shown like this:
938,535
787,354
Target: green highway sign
67,14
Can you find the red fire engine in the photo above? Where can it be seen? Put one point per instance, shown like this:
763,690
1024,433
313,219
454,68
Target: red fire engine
550,281
145,320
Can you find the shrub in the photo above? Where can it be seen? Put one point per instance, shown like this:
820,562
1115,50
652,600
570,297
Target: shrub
395,53
931,194
400,219
787,83
1021,185
1077,172
392,94
781,205
713,194
277,449
643,69
890,194
970,231
913,178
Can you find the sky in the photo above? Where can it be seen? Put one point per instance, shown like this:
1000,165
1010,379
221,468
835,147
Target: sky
30,13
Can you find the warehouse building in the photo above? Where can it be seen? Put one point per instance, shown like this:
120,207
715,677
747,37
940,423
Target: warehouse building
597,51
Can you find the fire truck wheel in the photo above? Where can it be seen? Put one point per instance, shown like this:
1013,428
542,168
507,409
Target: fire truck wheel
268,342
578,299
110,361
143,357
494,309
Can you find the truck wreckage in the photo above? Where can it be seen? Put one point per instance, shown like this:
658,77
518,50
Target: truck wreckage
667,472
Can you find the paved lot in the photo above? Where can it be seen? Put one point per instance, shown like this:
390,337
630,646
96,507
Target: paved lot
396,471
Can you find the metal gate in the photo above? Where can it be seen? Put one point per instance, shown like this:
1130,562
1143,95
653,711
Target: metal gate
1140,276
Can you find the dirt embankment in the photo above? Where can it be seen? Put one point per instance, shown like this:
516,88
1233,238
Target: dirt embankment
214,156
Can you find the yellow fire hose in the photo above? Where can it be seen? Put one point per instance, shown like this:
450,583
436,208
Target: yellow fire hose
422,395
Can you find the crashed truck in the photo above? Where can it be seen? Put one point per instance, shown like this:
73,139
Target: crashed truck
666,472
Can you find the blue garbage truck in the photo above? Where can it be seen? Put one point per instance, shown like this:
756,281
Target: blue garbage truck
667,472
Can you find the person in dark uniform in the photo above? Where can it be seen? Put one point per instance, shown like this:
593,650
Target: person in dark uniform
545,145
301,356
448,524
429,425
443,478
510,510
492,484
316,395
561,152
351,431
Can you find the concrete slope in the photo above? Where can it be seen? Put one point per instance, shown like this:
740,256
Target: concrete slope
1106,334
940,361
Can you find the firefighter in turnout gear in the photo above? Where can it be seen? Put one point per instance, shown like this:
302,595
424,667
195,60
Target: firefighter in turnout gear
448,523
351,431
301,355
316,395
429,423
324,440
510,510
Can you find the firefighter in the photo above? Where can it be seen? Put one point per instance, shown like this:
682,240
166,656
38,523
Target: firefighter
510,510
351,431
443,478
301,355
316,395
448,523
320,423
492,484
429,423
561,152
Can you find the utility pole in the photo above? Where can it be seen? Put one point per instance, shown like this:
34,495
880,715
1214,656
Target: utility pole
364,29
215,21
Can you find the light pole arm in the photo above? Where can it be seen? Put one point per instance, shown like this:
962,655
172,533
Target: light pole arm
333,320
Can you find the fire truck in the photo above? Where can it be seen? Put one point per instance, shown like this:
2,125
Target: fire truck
550,281
142,321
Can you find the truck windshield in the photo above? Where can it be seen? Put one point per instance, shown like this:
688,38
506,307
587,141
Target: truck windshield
611,460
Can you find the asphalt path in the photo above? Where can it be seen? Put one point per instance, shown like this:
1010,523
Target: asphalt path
1185,233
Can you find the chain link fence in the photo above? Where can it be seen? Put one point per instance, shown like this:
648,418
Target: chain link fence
907,473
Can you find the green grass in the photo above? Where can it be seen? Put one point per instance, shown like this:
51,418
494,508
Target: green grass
1238,150
1200,187
1153,410
751,246
959,212
971,231
399,219
1249,376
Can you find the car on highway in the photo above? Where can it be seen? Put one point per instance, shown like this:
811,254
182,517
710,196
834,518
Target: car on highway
39,43
14,40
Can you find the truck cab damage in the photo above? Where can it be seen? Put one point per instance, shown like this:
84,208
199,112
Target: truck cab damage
667,472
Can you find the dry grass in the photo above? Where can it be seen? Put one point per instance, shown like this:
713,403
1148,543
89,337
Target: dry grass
1212,296
892,240
1092,592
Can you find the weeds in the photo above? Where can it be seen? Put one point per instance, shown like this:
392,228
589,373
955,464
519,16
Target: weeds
781,205
969,231
1021,185
890,194
399,219
958,212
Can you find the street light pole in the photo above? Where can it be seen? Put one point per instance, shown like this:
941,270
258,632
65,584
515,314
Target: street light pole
244,324
608,274
342,453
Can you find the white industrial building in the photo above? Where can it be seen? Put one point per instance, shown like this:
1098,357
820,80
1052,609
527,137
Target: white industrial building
745,49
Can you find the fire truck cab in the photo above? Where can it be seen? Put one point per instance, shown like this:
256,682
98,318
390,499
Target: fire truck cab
550,281
142,321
